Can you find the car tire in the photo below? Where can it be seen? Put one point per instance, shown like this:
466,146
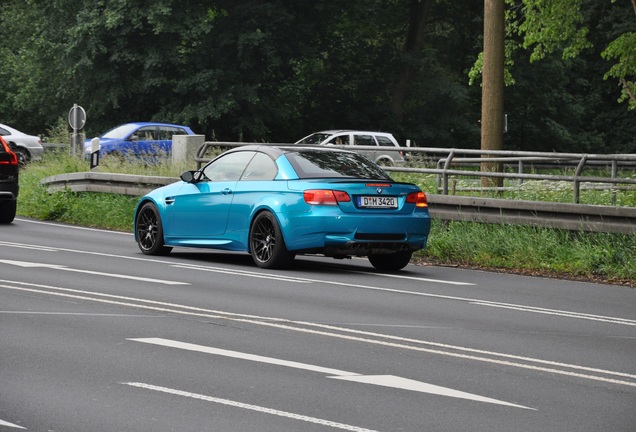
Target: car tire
266,243
7,211
390,262
23,155
149,231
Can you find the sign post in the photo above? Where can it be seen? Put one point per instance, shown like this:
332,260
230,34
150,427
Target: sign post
94,152
77,120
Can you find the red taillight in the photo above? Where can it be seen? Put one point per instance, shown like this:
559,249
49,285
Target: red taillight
417,198
8,157
325,197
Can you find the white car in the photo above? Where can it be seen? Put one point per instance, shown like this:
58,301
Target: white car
387,153
26,147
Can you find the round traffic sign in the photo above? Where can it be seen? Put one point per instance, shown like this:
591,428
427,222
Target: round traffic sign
77,117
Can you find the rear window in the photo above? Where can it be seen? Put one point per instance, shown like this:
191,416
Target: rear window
328,164
384,141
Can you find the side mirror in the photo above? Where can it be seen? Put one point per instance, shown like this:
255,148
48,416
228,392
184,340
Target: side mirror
191,176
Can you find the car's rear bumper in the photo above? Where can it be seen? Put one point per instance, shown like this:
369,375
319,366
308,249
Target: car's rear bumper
346,234
9,195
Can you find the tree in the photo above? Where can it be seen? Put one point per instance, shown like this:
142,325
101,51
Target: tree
566,106
275,70
551,25
418,12
492,107
623,49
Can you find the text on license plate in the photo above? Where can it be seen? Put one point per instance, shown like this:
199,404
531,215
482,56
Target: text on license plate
377,202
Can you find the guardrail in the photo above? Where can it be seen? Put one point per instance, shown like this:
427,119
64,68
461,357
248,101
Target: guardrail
123,184
574,217
446,160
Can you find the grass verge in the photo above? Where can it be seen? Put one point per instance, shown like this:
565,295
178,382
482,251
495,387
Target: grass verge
527,250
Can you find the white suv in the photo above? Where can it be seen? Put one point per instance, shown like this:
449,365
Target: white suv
388,154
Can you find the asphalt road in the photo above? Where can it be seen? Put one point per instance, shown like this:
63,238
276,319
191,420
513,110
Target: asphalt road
95,336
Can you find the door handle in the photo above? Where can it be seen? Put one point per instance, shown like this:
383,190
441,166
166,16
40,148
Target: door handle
226,191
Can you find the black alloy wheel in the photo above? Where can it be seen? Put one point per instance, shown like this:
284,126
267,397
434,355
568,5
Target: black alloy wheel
267,246
149,231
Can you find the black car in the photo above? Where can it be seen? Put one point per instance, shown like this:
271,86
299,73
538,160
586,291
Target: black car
9,187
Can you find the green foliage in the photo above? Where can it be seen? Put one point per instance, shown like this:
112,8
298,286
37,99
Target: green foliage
551,25
533,250
547,26
278,70
623,49
86,209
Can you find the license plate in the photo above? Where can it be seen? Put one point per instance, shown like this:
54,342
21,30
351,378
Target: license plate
377,202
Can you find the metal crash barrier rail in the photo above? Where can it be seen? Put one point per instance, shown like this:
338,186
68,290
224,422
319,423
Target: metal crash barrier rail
572,216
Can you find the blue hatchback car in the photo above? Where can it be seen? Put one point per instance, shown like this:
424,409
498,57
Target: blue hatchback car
276,203
138,140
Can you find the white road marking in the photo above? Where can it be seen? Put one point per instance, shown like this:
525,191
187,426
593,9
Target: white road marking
200,267
28,246
11,425
242,273
557,312
239,355
524,308
422,387
381,380
113,275
418,345
416,278
249,407
4,312
75,227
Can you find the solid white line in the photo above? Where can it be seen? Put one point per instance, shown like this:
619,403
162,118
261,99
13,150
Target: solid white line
11,425
557,312
264,275
353,335
251,407
524,308
3,312
28,246
241,273
113,275
122,276
75,227
416,278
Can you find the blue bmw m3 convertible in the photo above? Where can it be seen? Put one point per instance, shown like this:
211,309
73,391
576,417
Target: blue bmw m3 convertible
276,202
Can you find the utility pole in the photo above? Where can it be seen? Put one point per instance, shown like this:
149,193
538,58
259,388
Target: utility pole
492,100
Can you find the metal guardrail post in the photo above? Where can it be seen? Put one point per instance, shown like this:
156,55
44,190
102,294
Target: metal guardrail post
614,174
577,182
447,164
